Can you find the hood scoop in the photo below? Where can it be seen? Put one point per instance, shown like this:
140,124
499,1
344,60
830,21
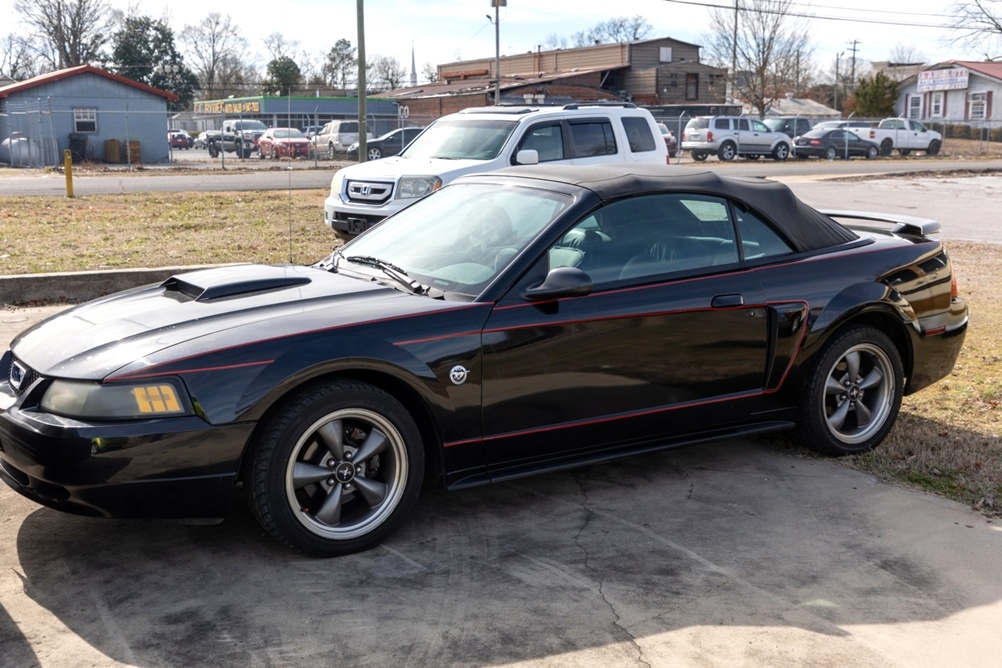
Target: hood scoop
210,284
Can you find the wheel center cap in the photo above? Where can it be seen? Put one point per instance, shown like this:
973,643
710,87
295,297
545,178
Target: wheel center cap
854,393
344,472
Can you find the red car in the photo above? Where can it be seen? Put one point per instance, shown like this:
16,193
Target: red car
279,142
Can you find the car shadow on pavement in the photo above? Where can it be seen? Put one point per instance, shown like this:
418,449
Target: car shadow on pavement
606,563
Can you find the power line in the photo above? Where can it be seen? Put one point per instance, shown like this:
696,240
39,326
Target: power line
800,14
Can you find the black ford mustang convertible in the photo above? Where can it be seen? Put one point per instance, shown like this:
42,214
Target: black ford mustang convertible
513,322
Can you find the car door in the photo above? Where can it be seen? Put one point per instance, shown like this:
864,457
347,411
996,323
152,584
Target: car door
673,333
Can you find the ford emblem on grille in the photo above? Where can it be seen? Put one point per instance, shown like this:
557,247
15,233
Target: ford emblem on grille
17,375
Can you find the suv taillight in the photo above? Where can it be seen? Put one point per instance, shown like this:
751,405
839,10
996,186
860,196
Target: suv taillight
709,135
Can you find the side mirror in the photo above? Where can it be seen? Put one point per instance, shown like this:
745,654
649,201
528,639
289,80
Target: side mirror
527,156
561,282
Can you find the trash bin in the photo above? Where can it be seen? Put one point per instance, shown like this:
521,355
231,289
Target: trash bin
135,154
112,151
78,146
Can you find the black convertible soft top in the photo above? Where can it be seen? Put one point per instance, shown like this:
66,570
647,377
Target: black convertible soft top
805,227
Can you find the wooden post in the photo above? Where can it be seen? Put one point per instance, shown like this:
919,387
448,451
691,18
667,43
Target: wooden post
68,169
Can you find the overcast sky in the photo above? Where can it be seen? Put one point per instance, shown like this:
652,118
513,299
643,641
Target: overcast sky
443,31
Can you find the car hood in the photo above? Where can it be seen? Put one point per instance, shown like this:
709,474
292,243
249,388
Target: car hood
396,166
198,311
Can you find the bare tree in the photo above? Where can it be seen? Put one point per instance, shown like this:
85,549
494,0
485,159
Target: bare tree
340,66
388,72
765,44
216,52
978,24
906,54
430,73
16,58
620,29
69,32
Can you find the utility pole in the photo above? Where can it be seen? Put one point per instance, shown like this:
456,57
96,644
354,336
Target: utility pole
497,4
734,56
852,72
363,140
835,87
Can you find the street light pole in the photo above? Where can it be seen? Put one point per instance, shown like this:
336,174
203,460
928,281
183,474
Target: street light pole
497,4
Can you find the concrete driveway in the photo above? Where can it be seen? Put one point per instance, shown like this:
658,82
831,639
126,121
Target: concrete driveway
740,553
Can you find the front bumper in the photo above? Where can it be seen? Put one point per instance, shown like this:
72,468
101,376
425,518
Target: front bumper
166,468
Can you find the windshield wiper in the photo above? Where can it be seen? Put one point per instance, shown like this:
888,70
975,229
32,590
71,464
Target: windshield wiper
391,270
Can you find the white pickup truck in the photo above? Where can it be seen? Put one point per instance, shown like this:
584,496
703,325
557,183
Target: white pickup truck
902,135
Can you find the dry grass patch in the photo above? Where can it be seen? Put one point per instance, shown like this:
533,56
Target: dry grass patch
49,234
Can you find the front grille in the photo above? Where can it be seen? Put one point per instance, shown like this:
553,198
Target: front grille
369,192
20,376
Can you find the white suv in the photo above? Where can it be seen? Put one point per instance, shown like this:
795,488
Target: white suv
485,139
731,136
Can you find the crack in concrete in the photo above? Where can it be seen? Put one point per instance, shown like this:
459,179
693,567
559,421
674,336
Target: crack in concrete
600,577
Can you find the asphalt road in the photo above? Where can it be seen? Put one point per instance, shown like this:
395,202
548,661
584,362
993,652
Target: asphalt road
739,553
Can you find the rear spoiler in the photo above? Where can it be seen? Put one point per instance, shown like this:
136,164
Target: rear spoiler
909,225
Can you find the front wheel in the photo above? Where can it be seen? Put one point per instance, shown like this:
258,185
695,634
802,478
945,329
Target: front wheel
934,147
781,152
375,154
336,469
852,393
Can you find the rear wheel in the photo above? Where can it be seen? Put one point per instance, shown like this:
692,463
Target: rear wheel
852,394
871,152
830,153
886,147
336,469
727,151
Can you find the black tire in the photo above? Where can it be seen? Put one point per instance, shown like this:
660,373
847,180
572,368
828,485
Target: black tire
830,153
727,151
336,469
852,393
213,151
330,151
871,152
260,155
886,147
905,151
753,157
934,147
374,153
699,156
781,151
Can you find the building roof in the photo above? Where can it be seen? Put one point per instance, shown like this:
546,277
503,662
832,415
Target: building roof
796,106
69,72
480,84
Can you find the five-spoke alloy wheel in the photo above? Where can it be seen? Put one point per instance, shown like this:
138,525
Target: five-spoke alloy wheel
853,392
336,469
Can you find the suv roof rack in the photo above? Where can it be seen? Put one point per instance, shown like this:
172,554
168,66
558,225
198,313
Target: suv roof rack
499,109
600,103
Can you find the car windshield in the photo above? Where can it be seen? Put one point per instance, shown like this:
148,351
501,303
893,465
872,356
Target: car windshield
461,139
457,240
250,125
288,133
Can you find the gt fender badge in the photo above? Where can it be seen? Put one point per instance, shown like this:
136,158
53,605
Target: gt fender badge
458,374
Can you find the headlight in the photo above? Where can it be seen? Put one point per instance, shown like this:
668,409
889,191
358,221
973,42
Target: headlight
165,397
417,186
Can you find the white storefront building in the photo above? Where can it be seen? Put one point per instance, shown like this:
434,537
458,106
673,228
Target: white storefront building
953,92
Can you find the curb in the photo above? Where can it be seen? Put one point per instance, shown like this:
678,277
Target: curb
81,286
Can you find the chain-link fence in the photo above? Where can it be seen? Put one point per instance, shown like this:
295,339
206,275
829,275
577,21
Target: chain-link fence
36,134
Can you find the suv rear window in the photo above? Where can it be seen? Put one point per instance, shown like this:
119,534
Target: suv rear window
593,138
638,132
697,124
